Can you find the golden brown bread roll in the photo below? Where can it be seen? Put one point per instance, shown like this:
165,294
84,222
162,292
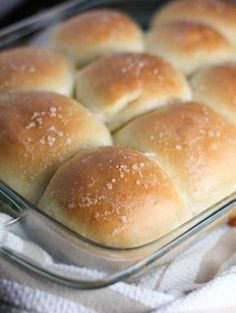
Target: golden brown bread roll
34,69
189,45
120,87
194,33
218,14
215,86
96,33
39,131
232,220
193,144
114,196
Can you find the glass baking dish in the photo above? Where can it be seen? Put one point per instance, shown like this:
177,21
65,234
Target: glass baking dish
59,254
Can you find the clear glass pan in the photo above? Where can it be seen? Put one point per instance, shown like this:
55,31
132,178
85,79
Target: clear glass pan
59,254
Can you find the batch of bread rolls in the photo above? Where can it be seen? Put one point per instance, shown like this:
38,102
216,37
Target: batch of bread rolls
122,135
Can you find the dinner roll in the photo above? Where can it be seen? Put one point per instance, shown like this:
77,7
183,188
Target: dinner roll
120,87
189,45
38,132
232,220
218,14
193,144
215,86
96,33
115,197
28,68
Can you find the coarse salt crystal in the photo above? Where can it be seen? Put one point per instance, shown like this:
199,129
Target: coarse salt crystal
68,141
123,219
178,147
52,109
109,186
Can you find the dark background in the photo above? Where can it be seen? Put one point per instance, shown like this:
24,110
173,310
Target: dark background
14,10
20,9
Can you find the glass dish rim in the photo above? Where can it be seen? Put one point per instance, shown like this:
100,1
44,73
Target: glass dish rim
18,200
199,222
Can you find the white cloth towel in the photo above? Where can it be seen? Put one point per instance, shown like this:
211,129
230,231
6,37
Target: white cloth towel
201,279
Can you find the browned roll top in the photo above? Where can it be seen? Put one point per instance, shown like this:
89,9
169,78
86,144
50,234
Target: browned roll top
114,196
97,33
193,144
25,69
38,132
194,33
120,87
216,87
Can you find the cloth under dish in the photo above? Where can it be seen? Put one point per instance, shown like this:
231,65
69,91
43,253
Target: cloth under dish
201,279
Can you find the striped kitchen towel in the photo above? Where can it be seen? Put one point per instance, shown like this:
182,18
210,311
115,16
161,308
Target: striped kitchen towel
201,279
